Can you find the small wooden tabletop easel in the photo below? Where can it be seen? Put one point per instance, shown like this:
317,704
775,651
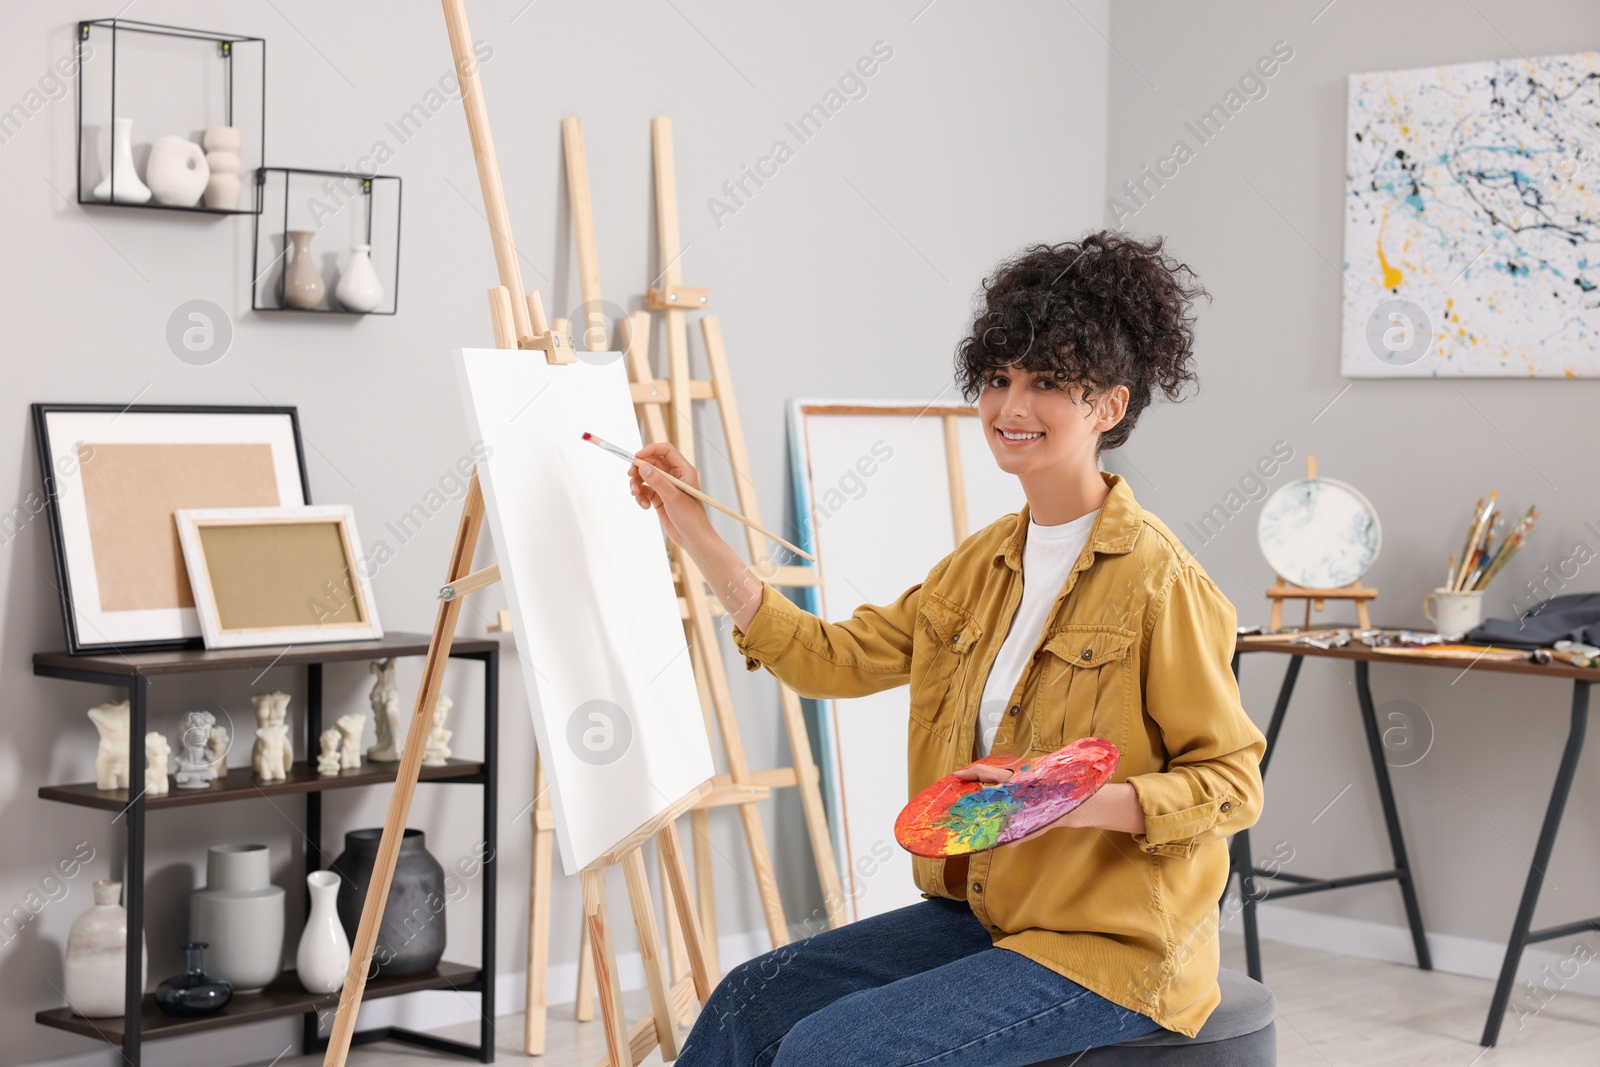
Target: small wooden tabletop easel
519,324
1282,589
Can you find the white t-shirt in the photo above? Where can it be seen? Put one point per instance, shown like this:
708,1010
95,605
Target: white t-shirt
1048,556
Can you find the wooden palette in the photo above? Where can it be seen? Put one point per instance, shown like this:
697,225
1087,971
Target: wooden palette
955,816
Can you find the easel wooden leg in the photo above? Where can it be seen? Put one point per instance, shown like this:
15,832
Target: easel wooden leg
655,976
705,886
394,823
808,781
542,822
604,955
583,995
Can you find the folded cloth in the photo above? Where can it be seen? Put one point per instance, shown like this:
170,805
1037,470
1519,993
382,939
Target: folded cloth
1570,617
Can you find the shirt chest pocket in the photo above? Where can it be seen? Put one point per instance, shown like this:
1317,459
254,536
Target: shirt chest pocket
946,635
1085,686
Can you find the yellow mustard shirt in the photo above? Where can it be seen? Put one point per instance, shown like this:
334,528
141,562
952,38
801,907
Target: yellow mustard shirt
1137,650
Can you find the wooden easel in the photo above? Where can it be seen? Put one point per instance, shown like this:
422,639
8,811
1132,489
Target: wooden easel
1282,589
674,301
740,787
519,324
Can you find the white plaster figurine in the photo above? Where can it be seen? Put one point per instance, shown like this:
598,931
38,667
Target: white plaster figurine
156,751
217,750
329,762
438,749
194,760
385,699
111,760
273,754
351,726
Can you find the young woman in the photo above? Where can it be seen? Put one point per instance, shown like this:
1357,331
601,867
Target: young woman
1081,615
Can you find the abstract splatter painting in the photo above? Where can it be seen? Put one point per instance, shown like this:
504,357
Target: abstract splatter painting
1471,220
955,816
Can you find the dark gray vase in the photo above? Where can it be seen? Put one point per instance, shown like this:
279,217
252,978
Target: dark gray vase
411,939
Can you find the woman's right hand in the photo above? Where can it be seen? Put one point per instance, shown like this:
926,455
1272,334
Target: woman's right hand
680,513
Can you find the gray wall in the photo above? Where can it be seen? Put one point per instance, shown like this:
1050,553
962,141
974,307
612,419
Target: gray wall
1258,212
848,274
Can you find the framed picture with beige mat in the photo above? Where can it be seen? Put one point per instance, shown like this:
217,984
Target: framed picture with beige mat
114,474
277,576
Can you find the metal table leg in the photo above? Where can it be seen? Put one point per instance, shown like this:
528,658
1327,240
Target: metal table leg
1521,935
1391,817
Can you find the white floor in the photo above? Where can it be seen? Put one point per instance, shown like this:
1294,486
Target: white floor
1333,1011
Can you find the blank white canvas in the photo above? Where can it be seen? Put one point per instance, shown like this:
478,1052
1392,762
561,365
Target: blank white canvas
881,540
589,586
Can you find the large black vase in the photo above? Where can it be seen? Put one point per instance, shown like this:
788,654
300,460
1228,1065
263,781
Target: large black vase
411,939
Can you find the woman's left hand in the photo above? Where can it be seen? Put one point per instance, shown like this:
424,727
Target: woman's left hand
1112,807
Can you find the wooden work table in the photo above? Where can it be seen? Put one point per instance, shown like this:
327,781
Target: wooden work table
1493,660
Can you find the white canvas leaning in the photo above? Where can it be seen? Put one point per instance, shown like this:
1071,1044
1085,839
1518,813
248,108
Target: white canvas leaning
587,579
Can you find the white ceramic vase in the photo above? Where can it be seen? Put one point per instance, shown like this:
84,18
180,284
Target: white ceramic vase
324,953
97,953
130,190
239,914
176,171
359,288
222,156
302,284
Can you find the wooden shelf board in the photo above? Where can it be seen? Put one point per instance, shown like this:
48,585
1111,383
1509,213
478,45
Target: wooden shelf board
189,660
284,997
241,784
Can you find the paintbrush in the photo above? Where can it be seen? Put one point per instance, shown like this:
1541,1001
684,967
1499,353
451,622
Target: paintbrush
1473,536
623,453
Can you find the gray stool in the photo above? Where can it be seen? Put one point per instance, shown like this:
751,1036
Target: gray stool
1239,1033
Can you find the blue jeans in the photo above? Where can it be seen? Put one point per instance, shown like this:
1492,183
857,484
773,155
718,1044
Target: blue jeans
919,985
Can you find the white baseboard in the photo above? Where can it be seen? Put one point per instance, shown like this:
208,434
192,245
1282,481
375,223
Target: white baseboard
1550,962
262,1042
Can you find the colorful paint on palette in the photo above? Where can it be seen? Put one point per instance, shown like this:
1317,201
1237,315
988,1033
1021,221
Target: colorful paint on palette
955,816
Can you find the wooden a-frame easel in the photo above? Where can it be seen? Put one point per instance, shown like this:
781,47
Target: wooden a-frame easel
741,786
518,323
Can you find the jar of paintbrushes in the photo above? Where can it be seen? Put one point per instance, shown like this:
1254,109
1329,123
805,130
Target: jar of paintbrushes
1457,605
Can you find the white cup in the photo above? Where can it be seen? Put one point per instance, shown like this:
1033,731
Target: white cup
1453,611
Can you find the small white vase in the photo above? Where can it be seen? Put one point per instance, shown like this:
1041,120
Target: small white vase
97,954
359,288
176,171
302,284
130,190
324,953
222,156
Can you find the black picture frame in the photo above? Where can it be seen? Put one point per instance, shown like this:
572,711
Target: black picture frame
41,415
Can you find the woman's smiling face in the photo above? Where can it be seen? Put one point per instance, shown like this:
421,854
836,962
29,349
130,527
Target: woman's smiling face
1034,423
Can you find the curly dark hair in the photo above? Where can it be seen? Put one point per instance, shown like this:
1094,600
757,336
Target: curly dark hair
1105,311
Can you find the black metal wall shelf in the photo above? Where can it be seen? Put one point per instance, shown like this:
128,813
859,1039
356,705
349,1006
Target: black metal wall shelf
226,47
264,288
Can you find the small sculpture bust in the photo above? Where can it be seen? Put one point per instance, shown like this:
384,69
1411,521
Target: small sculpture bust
438,749
217,751
111,759
156,751
194,760
385,699
272,755
328,763
351,727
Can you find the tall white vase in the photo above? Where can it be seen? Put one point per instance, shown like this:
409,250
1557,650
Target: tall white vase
359,288
130,190
324,953
97,954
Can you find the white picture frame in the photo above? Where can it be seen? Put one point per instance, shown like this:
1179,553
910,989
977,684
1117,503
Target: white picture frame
260,566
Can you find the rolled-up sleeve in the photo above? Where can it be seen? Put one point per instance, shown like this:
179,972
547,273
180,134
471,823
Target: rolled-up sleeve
1211,786
866,653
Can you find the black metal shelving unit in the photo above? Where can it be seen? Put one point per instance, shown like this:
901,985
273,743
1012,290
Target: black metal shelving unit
284,997
260,271
225,43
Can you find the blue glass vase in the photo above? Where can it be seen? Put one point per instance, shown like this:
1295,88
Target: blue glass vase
194,992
